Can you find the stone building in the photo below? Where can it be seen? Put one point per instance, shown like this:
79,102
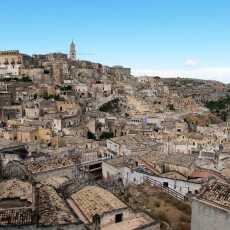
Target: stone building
72,52
5,99
67,106
129,172
159,163
211,210
41,169
10,112
100,209
15,169
81,89
37,75
11,61
25,205
26,134
10,151
32,112
120,71
55,71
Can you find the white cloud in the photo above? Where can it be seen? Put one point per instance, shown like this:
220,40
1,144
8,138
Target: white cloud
212,73
191,62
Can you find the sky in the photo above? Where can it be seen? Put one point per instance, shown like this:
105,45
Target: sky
168,38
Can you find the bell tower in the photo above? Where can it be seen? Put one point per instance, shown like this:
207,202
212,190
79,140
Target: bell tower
72,51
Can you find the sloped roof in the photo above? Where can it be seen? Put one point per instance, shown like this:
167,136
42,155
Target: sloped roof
93,200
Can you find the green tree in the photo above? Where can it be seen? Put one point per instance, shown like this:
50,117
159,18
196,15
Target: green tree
106,135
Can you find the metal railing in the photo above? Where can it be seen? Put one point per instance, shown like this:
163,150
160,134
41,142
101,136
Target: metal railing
168,190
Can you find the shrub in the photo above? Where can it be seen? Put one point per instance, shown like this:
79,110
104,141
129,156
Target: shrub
163,217
184,208
157,204
184,218
182,226
91,136
106,135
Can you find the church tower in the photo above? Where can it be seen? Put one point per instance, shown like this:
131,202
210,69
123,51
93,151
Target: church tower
72,51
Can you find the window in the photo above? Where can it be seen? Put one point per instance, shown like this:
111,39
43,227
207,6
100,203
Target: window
165,184
118,217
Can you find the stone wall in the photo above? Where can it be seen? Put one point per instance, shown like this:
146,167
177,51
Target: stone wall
209,217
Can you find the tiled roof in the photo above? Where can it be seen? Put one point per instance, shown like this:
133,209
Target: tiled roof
52,208
48,164
95,200
20,216
218,194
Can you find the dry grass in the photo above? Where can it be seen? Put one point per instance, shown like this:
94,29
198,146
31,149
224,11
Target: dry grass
160,205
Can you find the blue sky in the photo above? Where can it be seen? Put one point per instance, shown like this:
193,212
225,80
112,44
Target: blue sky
159,37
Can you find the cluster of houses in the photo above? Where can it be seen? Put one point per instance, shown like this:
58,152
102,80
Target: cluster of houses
68,126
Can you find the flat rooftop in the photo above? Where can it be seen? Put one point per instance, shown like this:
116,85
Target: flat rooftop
116,162
133,139
135,222
54,181
178,159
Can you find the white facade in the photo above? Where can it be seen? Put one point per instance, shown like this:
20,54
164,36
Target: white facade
9,69
181,186
102,88
81,88
57,125
32,113
10,62
129,176
113,147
